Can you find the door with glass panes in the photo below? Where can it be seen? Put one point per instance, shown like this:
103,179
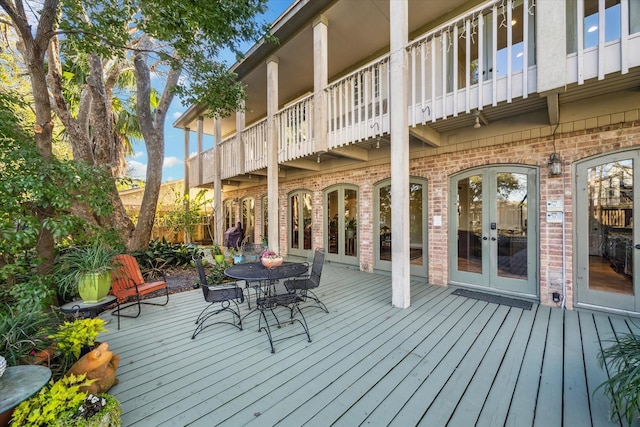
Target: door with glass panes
300,232
607,248
341,222
493,233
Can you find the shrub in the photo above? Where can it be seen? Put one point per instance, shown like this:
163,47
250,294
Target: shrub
161,255
73,336
623,386
59,404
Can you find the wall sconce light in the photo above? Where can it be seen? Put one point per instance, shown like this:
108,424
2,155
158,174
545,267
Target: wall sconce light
318,158
481,119
555,164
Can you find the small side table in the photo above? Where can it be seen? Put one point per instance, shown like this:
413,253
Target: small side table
17,384
87,309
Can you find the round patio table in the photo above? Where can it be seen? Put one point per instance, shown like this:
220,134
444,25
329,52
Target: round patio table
256,272
18,383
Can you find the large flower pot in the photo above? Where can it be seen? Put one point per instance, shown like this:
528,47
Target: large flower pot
94,287
219,258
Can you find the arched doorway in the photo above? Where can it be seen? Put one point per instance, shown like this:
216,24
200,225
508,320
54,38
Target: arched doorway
341,223
493,229
418,228
299,222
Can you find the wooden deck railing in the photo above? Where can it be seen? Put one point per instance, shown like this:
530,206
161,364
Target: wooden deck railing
480,58
295,130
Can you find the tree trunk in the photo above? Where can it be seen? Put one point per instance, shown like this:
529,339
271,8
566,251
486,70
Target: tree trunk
33,50
152,127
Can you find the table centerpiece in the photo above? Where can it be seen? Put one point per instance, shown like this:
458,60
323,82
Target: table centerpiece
271,259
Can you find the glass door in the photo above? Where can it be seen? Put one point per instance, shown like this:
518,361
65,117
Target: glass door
417,227
300,203
605,236
341,219
492,240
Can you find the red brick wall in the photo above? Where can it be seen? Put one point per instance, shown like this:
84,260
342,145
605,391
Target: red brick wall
530,148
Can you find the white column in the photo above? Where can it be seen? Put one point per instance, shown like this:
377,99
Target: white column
187,131
240,125
398,98
320,81
217,184
272,154
551,41
200,127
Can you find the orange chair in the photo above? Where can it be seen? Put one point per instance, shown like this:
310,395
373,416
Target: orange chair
127,282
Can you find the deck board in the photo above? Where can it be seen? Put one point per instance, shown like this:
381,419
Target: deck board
446,360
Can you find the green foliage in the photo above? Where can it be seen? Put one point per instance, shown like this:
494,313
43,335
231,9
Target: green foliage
28,184
215,250
190,36
58,404
161,255
73,336
76,261
24,332
216,274
37,292
623,386
177,217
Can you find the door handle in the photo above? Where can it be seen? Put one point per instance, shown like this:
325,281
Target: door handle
493,239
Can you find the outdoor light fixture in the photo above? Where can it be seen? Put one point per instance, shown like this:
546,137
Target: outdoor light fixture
481,119
555,164
318,158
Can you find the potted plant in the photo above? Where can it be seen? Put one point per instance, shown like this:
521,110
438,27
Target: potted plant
622,388
61,403
88,269
271,259
350,227
217,253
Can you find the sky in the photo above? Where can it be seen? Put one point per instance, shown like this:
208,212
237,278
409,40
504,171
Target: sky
173,167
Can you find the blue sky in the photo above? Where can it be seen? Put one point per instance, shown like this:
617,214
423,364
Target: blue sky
174,138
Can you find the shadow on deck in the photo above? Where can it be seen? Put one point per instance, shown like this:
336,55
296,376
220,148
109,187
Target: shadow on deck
447,360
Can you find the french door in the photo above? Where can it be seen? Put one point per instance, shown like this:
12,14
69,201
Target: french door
418,227
494,229
607,248
300,203
341,222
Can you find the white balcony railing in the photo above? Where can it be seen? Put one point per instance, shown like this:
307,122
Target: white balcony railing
606,40
231,158
480,58
255,146
295,130
357,104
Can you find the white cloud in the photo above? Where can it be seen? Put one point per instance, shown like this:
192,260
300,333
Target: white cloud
193,154
137,170
177,114
137,155
171,161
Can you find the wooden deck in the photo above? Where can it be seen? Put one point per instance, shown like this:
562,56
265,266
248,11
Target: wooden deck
447,360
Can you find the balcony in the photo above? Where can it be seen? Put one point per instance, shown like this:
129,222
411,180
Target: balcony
481,63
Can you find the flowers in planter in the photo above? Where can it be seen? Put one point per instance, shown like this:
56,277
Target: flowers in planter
270,254
61,403
271,259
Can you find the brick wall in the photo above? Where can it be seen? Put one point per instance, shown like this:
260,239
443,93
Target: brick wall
574,141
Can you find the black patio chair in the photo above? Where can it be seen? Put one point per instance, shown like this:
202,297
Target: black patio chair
223,294
304,285
290,298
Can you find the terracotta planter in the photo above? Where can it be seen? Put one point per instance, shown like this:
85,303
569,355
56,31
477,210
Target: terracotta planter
272,262
94,287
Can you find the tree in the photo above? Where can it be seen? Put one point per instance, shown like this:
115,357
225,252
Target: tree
177,38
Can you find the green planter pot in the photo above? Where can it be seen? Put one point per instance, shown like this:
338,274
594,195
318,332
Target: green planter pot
219,258
94,287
